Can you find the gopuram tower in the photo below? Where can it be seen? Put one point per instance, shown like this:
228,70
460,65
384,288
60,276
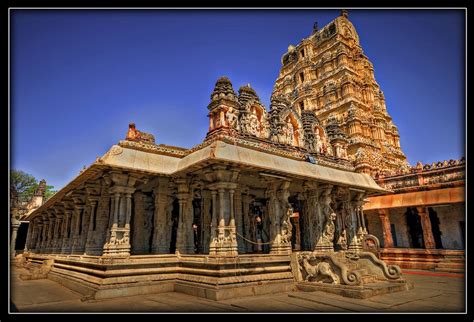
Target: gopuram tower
329,74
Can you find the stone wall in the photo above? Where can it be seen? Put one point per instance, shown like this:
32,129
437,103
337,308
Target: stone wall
398,218
449,218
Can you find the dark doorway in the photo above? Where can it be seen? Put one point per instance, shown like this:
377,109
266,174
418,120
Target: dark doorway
394,235
174,227
295,223
261,224
435,228
21,237
366,223
414,228
197,226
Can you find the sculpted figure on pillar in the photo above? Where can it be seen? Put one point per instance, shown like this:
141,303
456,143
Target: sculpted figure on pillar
286,227
329,228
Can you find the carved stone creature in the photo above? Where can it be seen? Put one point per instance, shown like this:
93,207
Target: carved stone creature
135,135
319,272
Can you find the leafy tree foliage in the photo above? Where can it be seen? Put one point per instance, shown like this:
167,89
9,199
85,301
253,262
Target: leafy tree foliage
23,186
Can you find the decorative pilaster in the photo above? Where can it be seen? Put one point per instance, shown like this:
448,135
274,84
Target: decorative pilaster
427,230
386,231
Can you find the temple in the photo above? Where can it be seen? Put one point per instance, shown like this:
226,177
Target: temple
269,201
328,73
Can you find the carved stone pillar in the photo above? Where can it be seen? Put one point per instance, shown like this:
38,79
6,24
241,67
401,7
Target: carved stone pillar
118,243
15,225
77,225
221,227
181,238
57,225
206,224
233,229
162,217
386,230
29,236
225,243
34,236
427,230
213,235
50,236
239,220
273,213
327,216
89,240
66,246
44,235
282,225
39,233
247,221
313,220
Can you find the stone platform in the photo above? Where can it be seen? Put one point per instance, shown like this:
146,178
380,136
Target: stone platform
433,292
204,276
441,260
358,292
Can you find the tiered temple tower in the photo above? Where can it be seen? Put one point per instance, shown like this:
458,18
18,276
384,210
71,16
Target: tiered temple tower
329,74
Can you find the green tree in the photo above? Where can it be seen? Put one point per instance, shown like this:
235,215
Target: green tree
23,186
48,192
20,183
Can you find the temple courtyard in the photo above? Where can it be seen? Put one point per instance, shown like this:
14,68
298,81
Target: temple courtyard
432,292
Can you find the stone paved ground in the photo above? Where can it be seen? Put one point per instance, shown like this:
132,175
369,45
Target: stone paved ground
432,293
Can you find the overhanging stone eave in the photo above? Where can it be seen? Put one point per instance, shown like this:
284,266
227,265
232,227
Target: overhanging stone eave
79,179
224,152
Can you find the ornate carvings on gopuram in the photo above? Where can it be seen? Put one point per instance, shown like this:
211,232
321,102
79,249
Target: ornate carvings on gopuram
328,73
285,127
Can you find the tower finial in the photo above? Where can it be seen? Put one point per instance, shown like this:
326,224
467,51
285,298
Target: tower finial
315,27
345,13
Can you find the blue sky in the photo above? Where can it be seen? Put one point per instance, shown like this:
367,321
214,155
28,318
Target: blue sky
78,77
